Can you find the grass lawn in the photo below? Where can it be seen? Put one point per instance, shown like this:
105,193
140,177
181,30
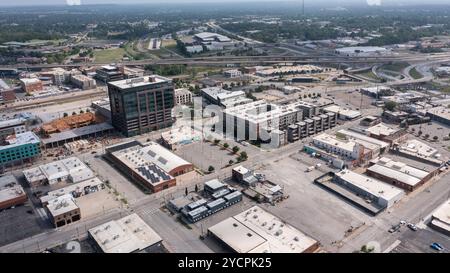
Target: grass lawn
397,67
415,74
370,75
109,55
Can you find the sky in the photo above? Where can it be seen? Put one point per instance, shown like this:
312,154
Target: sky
335,2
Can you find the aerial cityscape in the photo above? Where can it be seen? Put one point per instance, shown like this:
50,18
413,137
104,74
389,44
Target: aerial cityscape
225,127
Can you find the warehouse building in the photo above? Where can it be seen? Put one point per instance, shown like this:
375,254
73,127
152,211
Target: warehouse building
289,70
342,113
126,235
151,165
381,193
399,174
76,190
258,231
11,192
440,219
70,169
440,114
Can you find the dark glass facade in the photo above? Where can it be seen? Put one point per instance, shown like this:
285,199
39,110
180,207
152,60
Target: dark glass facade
143,108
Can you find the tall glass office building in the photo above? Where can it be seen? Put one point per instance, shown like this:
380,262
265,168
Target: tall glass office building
141,105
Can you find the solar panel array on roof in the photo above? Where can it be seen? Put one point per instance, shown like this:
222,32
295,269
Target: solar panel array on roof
153,173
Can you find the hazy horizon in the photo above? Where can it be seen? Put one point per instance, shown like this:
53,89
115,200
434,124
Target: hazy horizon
307,2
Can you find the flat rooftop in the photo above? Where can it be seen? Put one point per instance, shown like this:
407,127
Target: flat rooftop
442,215
381,130
139,82
126,235
10,188
72,166
78,187
336,142
370,185
419,148
342,111
355,135
151,152
401,168
258,231
62,204
21,139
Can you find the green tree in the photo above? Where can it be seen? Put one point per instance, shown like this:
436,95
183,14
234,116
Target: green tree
231,162
216,141
390,105
236,149
226,145
435,138
244,155
65,115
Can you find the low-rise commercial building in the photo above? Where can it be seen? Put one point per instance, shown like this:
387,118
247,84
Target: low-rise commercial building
20,147
399,174
70,169
63,210
258,231
289,70
440,219
376,146
342,113
233,73
386,133
347,149
31,85
440,114
419,151
126,235
76,190
11,192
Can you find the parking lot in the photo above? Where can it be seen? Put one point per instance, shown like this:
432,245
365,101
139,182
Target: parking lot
419,241
311,209
205,154
19,223
432,129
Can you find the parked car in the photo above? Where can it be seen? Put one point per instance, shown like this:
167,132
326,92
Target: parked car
394,228
436,246
412,227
